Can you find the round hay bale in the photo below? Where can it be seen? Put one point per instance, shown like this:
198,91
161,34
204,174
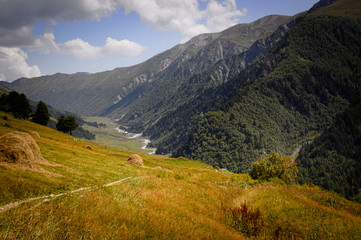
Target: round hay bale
35,134
20,150
136,160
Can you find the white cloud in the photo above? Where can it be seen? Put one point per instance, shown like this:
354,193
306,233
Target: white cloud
80,49
185,16
45,44
84,50
219,16
13,65
122,48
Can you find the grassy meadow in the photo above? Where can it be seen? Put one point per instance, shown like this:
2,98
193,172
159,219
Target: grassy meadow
166,199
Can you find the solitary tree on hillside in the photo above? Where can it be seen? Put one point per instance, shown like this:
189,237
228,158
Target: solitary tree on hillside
66,124
41,115
274,166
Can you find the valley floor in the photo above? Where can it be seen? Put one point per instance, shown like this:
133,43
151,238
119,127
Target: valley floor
112,136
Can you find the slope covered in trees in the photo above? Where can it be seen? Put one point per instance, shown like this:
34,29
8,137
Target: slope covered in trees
333,160
293,91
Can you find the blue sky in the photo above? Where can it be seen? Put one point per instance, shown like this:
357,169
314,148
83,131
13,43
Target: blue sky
41,37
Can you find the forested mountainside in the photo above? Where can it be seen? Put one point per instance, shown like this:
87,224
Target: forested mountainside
333,160
292,92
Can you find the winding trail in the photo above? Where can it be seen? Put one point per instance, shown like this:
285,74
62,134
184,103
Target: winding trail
52,196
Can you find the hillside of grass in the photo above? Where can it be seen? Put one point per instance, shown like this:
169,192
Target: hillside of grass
344,8
166,199
4,90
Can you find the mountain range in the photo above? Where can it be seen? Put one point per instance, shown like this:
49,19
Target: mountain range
226,98
131,92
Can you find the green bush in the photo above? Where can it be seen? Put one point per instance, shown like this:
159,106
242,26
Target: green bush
275,166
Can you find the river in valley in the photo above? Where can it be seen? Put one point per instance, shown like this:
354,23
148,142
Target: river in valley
138,136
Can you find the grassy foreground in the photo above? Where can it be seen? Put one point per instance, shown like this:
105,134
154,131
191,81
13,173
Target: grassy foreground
180,200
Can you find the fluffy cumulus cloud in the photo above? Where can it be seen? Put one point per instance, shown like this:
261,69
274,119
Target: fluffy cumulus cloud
220,16
186,16
13,65
84,50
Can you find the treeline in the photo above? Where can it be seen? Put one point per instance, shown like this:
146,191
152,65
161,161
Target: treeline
20,107
333,160
297,88
16,104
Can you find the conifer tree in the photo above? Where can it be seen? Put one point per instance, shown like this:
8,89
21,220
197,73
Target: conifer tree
66,124
41,115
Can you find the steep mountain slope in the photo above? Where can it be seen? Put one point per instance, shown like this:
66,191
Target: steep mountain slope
293,91
176,86
131,92
333,160
171,130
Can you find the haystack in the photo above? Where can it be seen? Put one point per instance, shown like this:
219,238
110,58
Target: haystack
136,160
20,150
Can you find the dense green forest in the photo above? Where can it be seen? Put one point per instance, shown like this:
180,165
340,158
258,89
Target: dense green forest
293,91
333,160
16,104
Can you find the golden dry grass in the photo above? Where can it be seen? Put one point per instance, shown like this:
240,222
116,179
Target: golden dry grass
180,200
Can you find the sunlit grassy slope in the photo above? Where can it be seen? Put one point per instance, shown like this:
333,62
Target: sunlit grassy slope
4,89
181,200
349,8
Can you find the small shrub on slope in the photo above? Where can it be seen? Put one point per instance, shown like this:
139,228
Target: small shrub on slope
274,166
